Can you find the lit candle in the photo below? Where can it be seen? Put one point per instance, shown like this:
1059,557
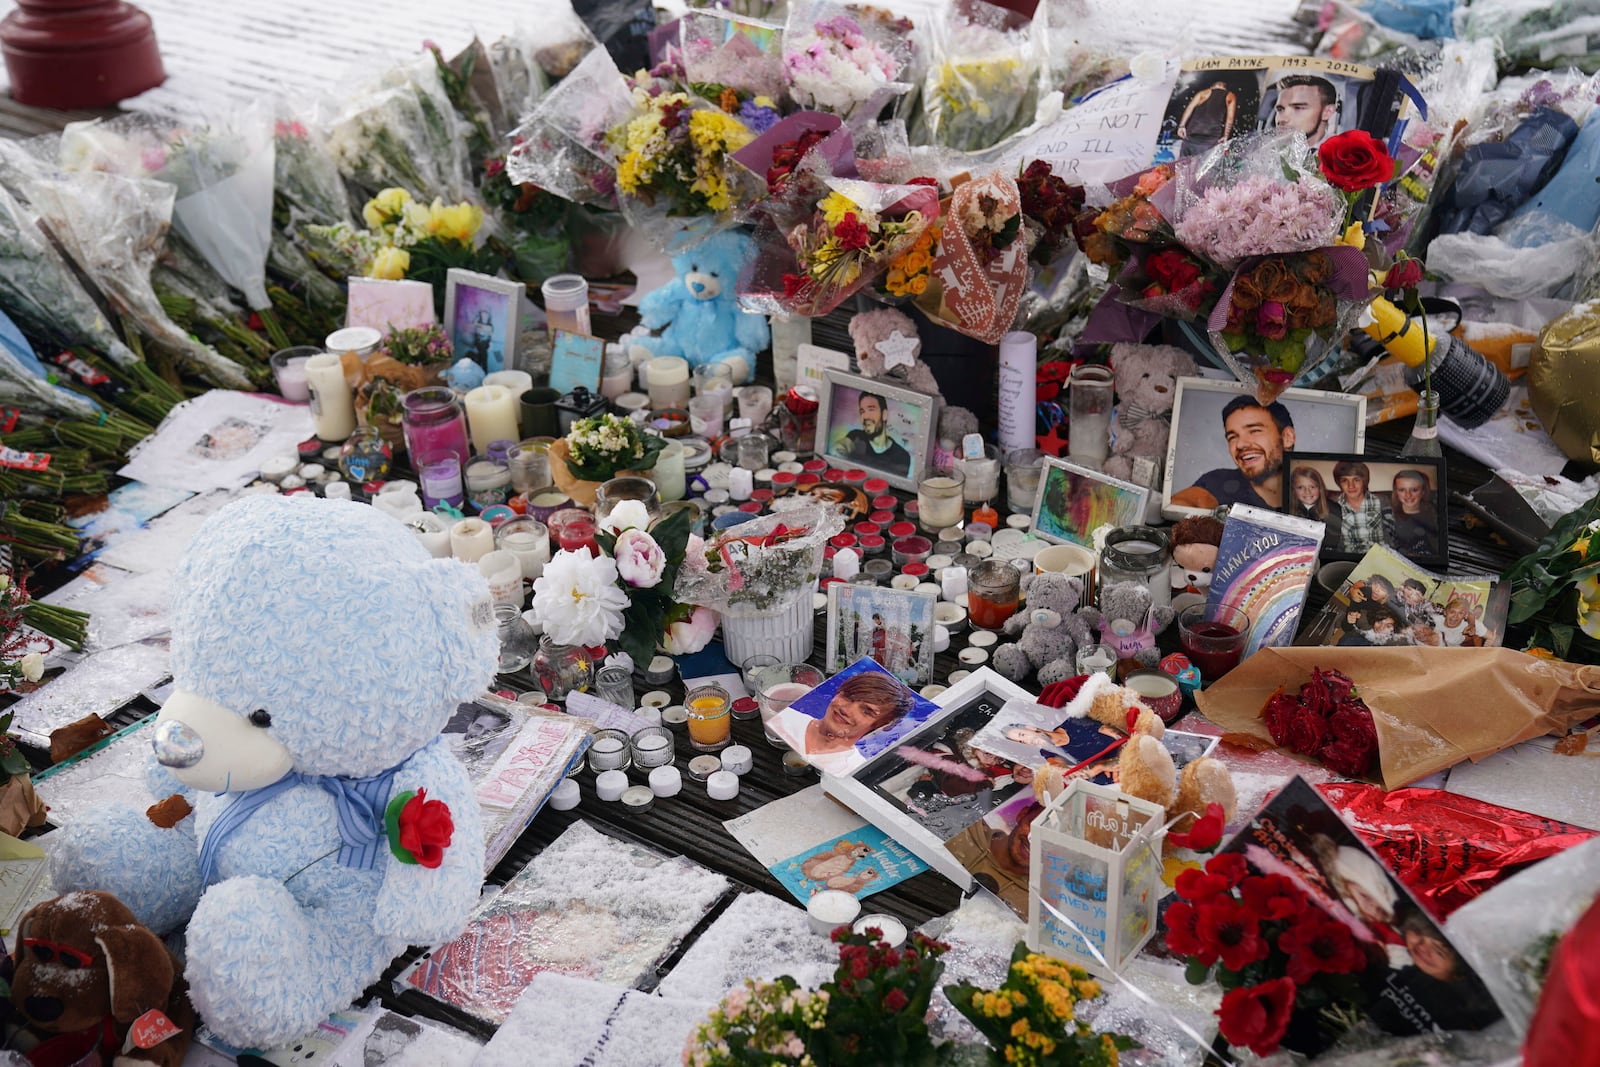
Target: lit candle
333,412
668,382
491,416
671,483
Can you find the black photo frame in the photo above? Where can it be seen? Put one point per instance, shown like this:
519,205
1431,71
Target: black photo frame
1422,537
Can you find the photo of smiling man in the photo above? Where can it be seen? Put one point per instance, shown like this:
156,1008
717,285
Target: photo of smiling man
1257,436
829,724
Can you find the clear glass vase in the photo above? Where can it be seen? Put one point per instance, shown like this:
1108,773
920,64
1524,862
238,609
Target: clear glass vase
516,638
562,669
1424,439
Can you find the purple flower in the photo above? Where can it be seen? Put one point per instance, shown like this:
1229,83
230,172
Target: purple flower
759,119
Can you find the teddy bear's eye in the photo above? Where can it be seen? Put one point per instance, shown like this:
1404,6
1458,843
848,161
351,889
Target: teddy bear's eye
260,718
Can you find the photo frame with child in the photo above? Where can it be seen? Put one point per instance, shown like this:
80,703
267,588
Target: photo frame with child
1365,502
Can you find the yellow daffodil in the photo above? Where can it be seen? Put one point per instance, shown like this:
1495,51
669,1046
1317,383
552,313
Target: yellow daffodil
386,208
391,263
1589,606
1354,237
456,222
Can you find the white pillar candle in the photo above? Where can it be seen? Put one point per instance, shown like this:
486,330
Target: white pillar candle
491,416
503,571
518,381
432,530
1019,362
671,482
829,908
333,412
471,540
668,382
741,483
952,582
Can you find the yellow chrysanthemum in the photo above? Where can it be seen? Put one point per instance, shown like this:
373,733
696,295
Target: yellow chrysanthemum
715,131
835,206
390,263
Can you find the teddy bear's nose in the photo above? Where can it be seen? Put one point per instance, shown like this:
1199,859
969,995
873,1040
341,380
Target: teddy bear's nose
698,287
176,745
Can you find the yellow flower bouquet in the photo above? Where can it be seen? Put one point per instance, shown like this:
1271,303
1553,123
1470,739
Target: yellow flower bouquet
675,155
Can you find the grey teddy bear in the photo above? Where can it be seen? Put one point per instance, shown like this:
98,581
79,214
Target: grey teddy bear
1052,629
1129,621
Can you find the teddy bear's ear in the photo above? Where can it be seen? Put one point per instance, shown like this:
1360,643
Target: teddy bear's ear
138,969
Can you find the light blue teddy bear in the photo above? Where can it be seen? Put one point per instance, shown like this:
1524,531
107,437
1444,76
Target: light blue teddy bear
697,314
317,651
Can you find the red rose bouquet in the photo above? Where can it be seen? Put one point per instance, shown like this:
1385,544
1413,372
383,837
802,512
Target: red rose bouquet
1326,721
1282,961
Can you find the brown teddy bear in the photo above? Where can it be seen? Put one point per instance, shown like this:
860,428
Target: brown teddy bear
88,976
1146,377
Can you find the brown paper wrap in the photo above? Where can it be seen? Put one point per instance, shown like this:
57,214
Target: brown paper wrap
581,492
1564,382
1433,707
20,806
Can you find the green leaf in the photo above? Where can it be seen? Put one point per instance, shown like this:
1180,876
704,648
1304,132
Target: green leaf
1196,973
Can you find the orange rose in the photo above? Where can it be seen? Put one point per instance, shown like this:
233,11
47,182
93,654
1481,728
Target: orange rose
1275,279
1316,267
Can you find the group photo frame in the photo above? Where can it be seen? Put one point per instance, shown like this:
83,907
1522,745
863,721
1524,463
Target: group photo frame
482,317
875,426
1397,503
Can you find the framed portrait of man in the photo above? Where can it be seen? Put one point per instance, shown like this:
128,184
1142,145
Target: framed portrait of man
877,427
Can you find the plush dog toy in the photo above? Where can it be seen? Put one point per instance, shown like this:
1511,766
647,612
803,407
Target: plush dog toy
698,316
317,652
88,978
1146,382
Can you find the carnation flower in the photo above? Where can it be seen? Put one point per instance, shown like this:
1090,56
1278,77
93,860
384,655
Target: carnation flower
577,599
690,635
1260,216
640,560
626,515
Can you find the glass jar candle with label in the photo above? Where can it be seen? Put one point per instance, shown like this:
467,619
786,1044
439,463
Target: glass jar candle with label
939,502
432,420
710,709
574,530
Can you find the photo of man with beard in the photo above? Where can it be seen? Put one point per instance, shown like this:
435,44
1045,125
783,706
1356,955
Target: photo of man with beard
871,444
1257,437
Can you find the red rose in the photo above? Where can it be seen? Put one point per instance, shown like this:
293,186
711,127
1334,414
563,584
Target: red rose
1406,274
1171,269
1355,160
1320,945
1307,731
1355,742
1257,1016
1272,320
419,828
793,284
1272,896
1205,834
1230,867
1233,930
1182,937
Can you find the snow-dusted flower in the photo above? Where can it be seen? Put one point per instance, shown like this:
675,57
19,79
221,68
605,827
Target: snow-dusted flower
640,560
32,666
577,599
692,634
628,514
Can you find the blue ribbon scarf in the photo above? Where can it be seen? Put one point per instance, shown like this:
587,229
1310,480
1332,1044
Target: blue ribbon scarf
362,803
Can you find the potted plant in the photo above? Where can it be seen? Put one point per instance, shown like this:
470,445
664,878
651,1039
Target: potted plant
598,449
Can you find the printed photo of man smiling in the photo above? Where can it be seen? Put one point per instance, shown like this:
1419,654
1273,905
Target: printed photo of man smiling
1257,437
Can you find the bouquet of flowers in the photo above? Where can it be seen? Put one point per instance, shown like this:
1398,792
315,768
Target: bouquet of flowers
1556,589
760,566
400,129
675,155
981,266
625,594
534,221
845,59
854,233
424,242
1030,1018
982,81
564,144
601,447
409,358
734,62
1328,721
1275,951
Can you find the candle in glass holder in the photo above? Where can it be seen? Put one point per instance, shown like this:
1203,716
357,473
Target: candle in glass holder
574,530
566,302
982,476
491,415
432,421
669,475
529,541
333,412
1089,393
616,372
939,501
668,382
710,718
993,588
440,475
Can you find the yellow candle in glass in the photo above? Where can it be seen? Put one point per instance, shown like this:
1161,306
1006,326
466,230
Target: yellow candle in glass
710,725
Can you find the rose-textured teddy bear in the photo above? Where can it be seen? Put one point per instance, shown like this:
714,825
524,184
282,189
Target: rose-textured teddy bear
697,315
1048,632
1146,382
317,652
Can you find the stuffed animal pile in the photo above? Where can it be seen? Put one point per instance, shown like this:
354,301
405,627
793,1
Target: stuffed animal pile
317,652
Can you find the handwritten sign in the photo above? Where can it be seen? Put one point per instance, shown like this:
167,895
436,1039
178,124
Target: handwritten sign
575,359
529,761
1110,135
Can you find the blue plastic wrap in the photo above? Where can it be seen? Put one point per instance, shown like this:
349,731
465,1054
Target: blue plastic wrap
1498,177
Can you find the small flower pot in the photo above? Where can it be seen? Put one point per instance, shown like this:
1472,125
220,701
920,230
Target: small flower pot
581,491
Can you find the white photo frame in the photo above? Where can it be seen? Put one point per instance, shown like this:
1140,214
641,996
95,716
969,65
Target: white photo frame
1067,489
909,419
482,317
1199,455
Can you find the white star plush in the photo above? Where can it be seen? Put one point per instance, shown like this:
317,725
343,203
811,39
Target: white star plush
897,348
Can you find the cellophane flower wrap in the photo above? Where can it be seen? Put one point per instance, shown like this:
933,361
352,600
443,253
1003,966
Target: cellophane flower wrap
980,268
562,145
981,83
846,59
761,566
400,129
723,53
857,229
793,159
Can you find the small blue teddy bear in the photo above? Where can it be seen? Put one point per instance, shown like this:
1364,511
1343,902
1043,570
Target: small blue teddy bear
699,318
317,652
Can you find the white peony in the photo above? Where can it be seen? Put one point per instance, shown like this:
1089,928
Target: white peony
692,634
577,599
640,560
32,666
628,514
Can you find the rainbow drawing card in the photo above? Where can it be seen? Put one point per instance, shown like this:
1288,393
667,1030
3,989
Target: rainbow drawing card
1264,566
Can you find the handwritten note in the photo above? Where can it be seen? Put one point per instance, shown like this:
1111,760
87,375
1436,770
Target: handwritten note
575,360
529,762
1108,136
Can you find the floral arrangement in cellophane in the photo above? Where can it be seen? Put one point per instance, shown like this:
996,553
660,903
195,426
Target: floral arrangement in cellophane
858,228
981,78
674,154
845,59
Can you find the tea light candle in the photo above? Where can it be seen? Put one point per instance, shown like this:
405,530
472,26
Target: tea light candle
904,581
930,589
871,544
941,640
884,519
610,785
891,931
919,571
491,416
638,799
819,601
931,691
333,412
565,796
674,717
886,502
337,491
276,468
657,698
666,781
879,570
912,550
533,697
937,562
875,486
740,483
981,549
723,785
784,458
983,639
736,759
667,378
703,767
471,540
1018,522
953,617
795,765
958,676
831,908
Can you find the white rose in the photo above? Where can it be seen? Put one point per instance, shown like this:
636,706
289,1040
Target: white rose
32,666
640,560
627,514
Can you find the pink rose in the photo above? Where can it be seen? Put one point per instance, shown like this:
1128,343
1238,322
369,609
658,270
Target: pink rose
640,560
692,634
1272,320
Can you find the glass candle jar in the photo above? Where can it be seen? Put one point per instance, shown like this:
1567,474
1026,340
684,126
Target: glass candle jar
652,747
529,541
439,473
778,687
610,750
517,638
432,420
1096,659
755,404
613,492
544,502
566,302
706,415
1089,393
715,379
1023,468
289,368
614,685
529,463
981,476
562,669
574,531
669,475
668,378
1138,554
993,588
939,502
487,482
365,456
752,451
710,717
616,372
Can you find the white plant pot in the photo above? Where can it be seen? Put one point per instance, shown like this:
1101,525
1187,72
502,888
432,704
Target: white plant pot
789,634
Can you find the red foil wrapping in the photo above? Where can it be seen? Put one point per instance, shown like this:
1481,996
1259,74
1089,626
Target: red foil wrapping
1445,847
